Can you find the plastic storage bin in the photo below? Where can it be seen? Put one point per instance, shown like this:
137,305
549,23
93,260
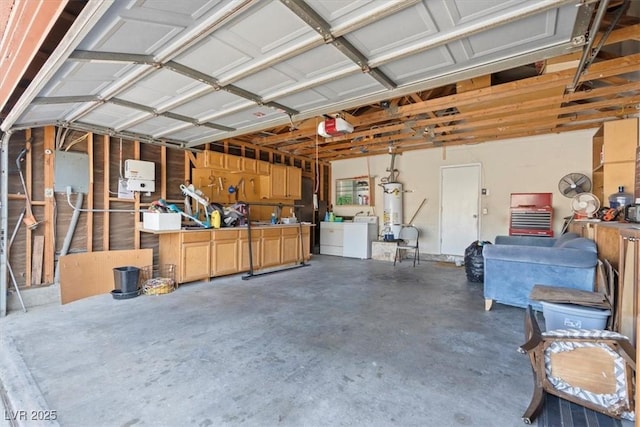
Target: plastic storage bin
571,316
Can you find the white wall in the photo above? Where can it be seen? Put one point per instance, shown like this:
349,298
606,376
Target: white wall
522,165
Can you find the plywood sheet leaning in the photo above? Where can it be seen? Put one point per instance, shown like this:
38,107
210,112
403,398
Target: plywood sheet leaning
89,274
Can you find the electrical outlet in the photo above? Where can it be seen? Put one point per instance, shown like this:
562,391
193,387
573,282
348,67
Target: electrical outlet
48,192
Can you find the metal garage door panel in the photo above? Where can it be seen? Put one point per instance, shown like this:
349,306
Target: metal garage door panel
323,63
348,87
47,113
536,32
249,117
212,105
154,23
112,116
457,21
155,125
162,87
194,133
421,66
84,78
214,57
304,100
260,35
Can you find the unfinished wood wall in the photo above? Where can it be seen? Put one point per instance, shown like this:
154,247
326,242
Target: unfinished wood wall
34,252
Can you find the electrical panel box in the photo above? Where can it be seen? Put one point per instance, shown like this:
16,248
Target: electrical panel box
71,170
140,175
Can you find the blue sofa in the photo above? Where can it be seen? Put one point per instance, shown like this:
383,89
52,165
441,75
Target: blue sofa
514,264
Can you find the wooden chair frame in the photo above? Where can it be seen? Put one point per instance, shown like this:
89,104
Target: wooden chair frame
535,347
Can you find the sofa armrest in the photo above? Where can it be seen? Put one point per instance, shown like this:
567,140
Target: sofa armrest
525,241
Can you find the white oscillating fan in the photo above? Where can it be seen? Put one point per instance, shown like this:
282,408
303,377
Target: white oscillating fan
584,206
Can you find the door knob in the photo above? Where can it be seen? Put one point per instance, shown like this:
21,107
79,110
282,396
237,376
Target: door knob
475,215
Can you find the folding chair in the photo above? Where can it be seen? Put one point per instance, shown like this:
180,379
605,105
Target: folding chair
407,242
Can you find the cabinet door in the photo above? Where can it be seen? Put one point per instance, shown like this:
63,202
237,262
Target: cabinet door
271,251
290,245
264,168
294,183
249,165
195,261
306,241
224,257
278,182
232,163
213,159
243,251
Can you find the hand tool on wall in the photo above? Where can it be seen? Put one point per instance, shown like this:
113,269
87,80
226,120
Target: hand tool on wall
29,220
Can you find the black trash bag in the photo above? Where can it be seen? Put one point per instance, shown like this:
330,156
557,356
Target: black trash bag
474,261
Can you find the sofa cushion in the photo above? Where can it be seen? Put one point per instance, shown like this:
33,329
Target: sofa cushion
563,239
580,243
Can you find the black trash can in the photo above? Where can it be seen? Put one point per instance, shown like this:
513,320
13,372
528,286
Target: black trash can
474,261
126,279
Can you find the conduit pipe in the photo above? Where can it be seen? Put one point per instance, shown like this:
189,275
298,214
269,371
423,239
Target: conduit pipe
69,237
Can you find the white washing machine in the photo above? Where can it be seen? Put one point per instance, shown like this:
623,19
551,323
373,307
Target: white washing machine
358,235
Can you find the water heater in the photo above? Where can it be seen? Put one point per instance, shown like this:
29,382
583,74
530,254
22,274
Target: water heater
392,215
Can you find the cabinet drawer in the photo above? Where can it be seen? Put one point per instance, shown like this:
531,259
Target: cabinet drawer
271,232
196,236
226,235
290,231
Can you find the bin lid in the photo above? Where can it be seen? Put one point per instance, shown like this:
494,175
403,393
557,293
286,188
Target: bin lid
575,309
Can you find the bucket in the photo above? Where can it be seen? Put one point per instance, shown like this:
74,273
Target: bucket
126,279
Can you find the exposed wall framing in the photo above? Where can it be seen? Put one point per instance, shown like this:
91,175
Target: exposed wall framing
102,224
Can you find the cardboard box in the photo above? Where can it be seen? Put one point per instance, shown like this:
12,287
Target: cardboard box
161,221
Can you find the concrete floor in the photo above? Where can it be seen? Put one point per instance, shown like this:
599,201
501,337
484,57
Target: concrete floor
339,343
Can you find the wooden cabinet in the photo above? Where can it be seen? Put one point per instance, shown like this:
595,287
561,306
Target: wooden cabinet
249,165
211,159
605,234
614,158
263,168
233,163
194,256
284,182
294,183
256,250
201,254
290,245
271,254
224,252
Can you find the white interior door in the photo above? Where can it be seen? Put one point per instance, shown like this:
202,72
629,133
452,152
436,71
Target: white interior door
459,207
